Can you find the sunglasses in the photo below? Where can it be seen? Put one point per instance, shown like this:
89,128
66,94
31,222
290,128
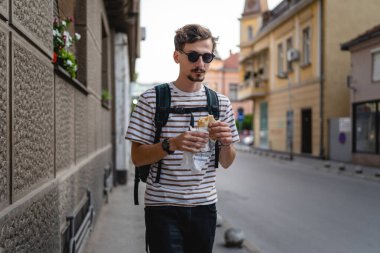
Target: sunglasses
194,56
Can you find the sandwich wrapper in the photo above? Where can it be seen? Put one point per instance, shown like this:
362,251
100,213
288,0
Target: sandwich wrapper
197,161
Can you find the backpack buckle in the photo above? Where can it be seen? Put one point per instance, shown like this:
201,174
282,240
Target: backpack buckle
180,110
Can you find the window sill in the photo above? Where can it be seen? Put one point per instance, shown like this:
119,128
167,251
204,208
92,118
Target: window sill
305,65
106,105
282,75
290,71
73,81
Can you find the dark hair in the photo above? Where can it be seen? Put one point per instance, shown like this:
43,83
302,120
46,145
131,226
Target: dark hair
193,33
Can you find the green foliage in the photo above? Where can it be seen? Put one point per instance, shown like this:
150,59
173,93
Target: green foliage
106,96
62,41
247,123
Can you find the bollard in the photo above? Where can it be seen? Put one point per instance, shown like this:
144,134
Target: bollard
358,170
234,237
219,220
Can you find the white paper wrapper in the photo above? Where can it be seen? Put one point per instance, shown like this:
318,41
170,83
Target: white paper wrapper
197,161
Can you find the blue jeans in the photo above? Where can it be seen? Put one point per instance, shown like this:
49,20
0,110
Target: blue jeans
172,229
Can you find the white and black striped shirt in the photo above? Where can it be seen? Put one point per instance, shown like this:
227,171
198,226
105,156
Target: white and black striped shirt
177,186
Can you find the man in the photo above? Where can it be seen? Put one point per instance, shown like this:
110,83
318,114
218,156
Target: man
180,212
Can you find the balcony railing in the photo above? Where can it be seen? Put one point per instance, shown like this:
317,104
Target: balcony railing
253,88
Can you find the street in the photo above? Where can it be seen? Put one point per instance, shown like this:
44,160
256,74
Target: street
284,207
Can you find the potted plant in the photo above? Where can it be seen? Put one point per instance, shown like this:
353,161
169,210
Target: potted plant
63,41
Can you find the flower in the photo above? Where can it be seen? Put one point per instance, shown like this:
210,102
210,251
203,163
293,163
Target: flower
55,57
77,36
62,42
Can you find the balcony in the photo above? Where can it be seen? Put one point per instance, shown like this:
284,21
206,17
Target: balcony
253,88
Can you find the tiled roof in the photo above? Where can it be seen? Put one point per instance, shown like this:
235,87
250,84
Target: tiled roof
232,61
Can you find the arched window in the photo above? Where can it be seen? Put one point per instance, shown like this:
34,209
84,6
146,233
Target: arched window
250,33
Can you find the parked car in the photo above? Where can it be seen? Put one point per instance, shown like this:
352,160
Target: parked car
248,140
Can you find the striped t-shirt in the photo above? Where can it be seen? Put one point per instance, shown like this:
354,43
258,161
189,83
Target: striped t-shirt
177,186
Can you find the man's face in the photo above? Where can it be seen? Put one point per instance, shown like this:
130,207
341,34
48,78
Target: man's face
192,67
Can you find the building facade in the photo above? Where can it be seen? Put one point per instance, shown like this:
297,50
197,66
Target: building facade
292,68
223,76
364,84
56,126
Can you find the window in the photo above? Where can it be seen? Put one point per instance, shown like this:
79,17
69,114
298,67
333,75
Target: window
289,45
366,120
247,75
105,66
233,93
250,33
376,66
306,47
280,60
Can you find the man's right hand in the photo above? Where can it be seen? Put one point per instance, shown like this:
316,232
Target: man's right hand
190,141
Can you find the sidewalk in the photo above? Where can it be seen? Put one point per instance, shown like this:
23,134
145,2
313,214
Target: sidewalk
341,168
120,226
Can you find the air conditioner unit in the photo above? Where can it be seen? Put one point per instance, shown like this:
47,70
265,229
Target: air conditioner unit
292,55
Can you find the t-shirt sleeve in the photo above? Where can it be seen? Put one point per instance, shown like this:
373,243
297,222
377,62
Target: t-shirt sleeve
141,127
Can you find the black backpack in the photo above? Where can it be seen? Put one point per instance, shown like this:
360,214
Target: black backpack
163,99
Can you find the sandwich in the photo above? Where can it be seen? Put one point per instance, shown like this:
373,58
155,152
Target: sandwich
204,121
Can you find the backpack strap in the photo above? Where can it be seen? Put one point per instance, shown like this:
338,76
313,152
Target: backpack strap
212,102
163,99
136,187
213,109
181,110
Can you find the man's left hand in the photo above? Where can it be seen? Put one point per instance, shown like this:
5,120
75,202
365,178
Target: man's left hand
220,131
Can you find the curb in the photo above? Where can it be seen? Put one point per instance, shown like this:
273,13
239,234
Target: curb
326,165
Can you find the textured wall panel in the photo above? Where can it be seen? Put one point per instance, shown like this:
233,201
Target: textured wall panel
64,124
33,118
94,21
81,126
95,181
32,226
106,128
4,8
92,111
67,198
35,19
4,154
94,59
99,126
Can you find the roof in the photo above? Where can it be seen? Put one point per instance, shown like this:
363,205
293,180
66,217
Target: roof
232,61
368,35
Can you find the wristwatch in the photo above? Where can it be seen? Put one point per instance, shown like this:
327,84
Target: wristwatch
166,146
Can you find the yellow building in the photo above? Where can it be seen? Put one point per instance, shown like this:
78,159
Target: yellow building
293,69
223,77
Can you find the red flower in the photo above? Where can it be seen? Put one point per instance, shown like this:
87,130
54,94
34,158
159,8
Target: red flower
55,57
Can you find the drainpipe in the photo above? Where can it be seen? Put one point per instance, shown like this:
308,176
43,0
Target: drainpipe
321,76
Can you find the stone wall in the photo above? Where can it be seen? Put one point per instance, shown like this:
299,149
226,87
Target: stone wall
55,133
4,108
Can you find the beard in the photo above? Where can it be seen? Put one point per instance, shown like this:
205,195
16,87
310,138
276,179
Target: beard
199,75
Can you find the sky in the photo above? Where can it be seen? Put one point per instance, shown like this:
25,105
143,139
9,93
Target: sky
162,18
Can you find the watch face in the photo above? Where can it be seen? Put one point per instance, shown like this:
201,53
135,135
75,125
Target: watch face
165,146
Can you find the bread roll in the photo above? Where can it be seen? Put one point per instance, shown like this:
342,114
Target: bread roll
204,121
